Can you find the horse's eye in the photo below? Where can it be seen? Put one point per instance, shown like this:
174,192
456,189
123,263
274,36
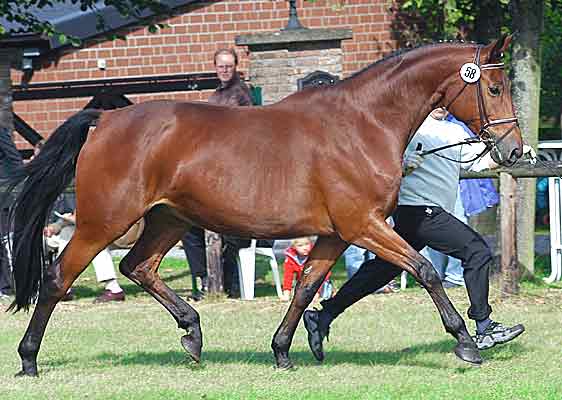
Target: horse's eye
495,90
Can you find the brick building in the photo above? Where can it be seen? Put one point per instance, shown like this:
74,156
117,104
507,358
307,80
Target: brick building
188,44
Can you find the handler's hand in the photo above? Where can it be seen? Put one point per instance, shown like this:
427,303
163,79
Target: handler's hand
411,162
530,152
70,217
50,230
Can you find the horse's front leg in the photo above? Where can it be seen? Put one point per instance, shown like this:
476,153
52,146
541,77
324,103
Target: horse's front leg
387,244
58,278
323,256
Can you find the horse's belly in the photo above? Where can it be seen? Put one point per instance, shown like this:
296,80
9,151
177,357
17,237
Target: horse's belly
247,222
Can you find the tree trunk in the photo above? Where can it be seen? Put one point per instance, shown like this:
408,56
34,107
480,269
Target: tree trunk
213,245
527,17
488,20
6,113
508,246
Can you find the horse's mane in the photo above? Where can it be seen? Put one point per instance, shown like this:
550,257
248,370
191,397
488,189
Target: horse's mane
324,89
400,52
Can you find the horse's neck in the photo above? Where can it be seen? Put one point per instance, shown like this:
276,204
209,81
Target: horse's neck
411,84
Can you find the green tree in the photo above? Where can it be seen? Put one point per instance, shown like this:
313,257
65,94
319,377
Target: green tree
527,15
551,70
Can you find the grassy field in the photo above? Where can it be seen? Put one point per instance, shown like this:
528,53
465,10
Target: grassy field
385,347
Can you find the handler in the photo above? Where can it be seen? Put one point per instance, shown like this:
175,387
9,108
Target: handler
424,218
231,92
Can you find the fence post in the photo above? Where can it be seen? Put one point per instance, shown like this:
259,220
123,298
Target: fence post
508,259
213,248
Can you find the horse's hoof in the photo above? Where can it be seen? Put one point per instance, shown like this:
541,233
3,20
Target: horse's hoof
282,360
285,365
23,373
192,347
469,353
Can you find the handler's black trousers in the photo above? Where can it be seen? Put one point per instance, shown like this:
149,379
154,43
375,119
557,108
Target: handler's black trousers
424,226
195,252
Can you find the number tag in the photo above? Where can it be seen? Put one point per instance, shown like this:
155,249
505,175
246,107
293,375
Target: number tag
470,72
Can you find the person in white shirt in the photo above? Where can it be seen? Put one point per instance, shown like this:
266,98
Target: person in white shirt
424,218
58,235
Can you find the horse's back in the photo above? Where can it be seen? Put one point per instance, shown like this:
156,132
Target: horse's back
216,165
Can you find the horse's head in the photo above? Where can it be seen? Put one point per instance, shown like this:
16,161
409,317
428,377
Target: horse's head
481,96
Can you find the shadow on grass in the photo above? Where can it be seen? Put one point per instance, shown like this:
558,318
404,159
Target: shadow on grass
406,357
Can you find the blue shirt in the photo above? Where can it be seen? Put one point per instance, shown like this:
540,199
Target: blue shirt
476,194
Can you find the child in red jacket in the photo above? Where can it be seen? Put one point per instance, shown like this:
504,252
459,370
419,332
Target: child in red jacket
295,258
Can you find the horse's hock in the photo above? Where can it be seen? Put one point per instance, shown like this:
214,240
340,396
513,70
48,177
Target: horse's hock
278,60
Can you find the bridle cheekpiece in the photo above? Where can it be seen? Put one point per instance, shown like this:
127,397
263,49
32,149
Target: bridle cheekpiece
470,73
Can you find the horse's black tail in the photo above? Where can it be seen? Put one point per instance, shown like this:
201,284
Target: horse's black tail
44,179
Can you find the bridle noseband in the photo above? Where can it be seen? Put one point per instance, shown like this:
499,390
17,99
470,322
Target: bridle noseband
485,122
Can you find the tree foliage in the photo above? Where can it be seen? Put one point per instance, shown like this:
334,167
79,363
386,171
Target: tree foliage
432,20
551,81
418,21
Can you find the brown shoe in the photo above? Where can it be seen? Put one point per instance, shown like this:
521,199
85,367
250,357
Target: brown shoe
108,296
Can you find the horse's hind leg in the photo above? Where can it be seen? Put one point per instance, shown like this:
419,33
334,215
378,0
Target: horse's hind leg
58,278
162,230
381,239
323,256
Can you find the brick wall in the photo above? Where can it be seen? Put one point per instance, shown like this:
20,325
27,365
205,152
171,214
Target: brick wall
188,46
278,71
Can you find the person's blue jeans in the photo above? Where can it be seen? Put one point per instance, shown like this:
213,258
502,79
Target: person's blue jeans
449,268
355,256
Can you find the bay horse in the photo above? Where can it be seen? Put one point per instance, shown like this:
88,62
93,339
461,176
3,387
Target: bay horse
332,157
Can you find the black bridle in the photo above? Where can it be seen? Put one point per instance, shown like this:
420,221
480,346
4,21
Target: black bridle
484,135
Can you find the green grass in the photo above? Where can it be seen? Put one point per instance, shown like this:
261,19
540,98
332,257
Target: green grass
384,347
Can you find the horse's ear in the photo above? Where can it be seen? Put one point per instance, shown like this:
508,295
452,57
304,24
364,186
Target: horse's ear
498,48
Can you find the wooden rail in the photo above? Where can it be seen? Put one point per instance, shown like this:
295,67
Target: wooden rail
507,224
519,170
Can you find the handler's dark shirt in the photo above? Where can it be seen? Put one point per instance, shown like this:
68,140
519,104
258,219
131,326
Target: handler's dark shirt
233,93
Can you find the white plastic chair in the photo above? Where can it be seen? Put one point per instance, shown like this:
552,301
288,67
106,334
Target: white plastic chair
247,269
403,280
549,150
555,206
